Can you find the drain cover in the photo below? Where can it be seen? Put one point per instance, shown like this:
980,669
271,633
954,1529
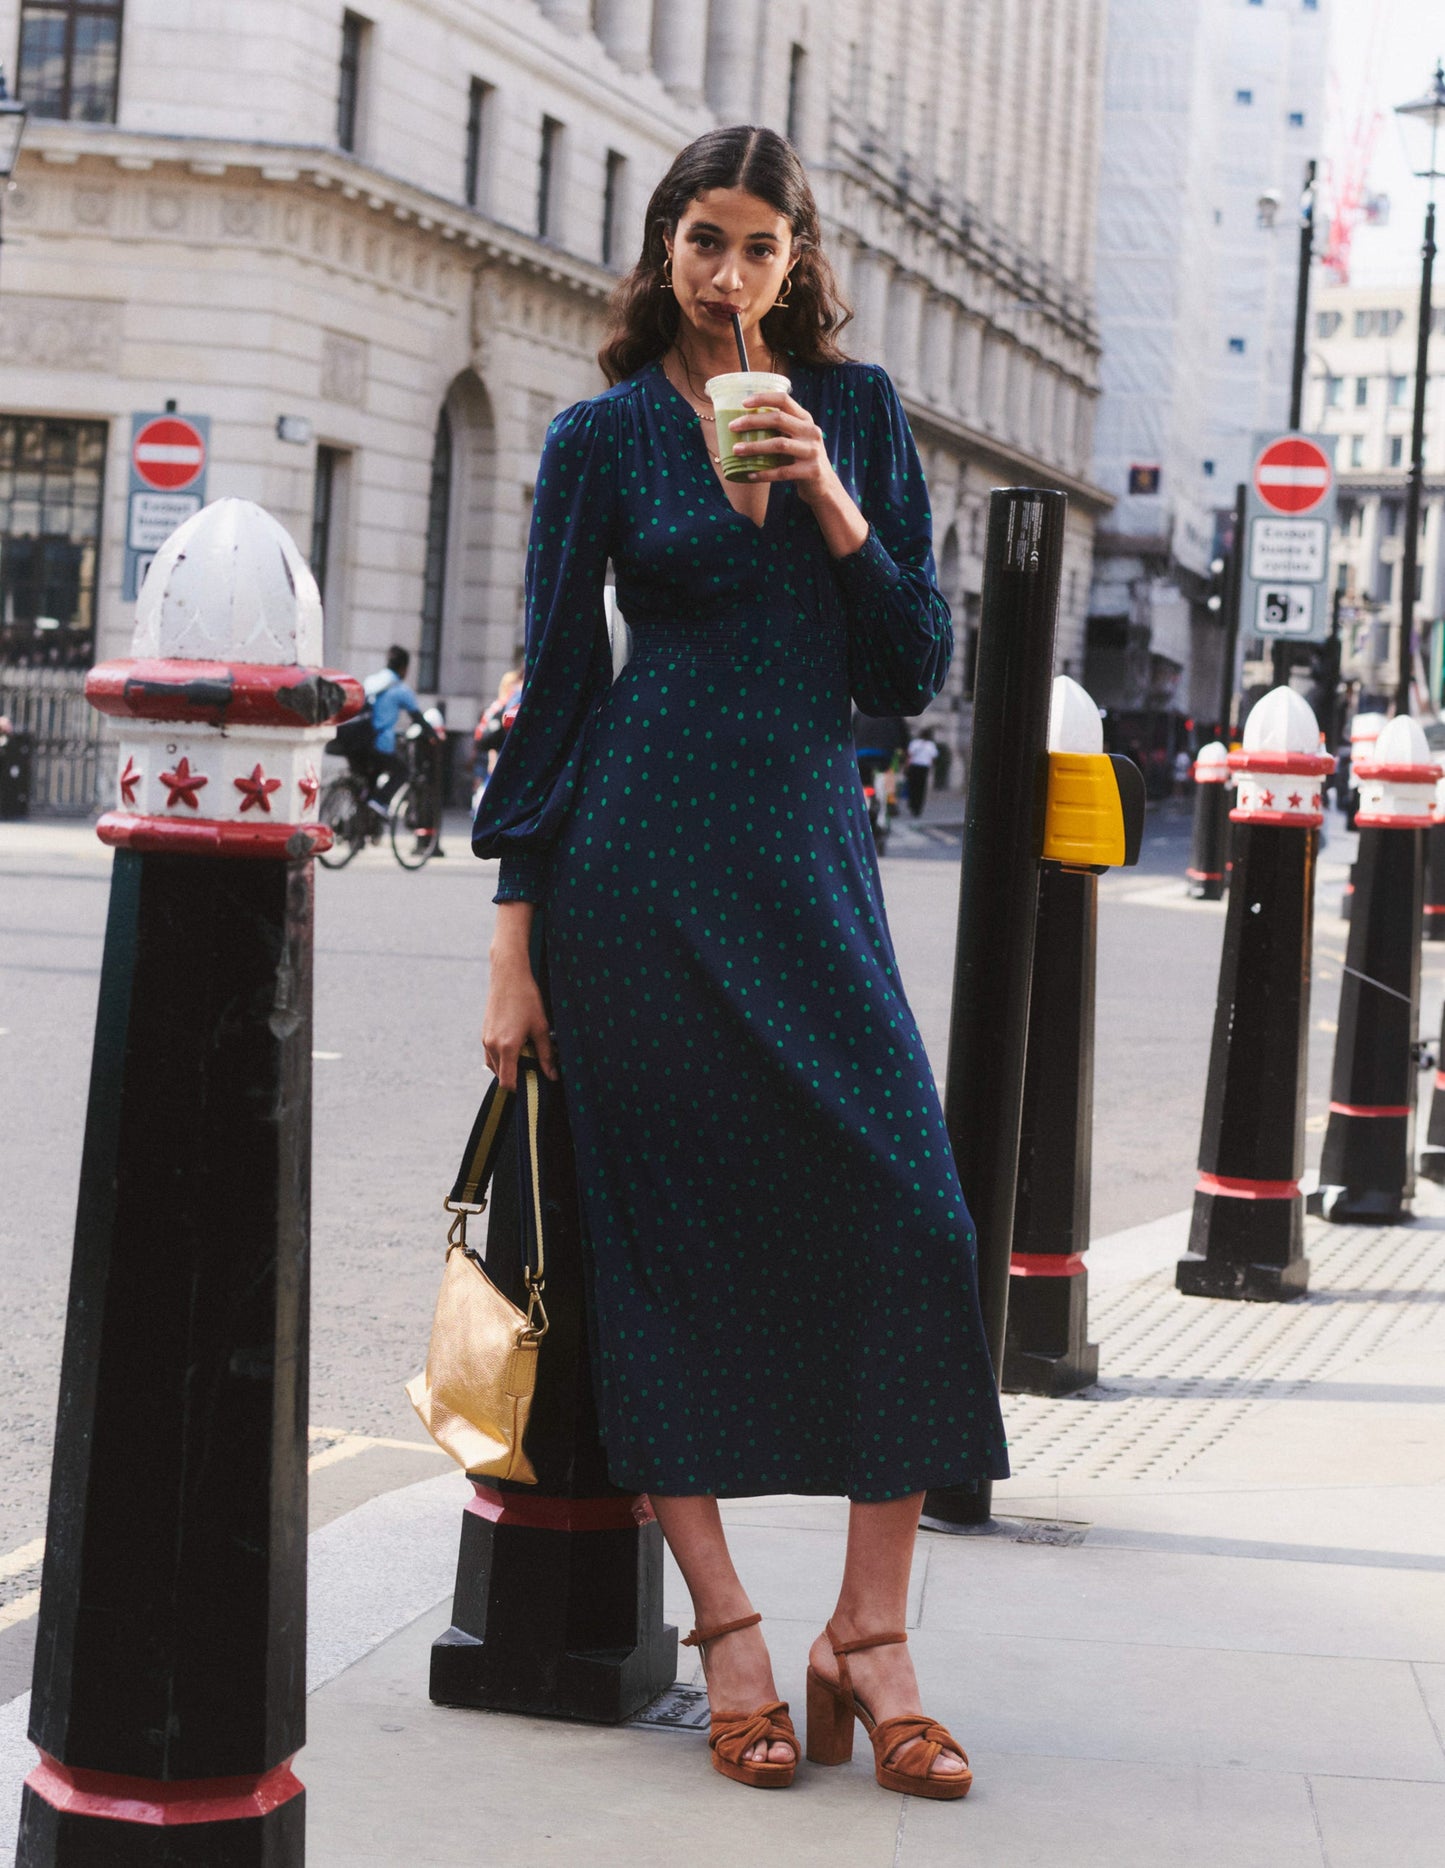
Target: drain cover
679,1709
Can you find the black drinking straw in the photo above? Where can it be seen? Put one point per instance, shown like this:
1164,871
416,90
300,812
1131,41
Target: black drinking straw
742,347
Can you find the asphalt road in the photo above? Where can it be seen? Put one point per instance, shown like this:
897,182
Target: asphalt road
400,977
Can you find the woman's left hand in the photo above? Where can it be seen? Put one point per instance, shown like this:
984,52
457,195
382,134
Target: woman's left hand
790,430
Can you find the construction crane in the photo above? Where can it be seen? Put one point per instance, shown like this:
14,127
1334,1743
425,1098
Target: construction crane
1347,198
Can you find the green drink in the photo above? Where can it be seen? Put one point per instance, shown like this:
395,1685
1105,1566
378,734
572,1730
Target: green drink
727,394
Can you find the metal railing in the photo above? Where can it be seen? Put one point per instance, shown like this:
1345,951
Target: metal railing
69,742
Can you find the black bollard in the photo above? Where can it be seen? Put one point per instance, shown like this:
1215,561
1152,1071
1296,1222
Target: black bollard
998,901
1208,848
1095,818
1432,1155
1365,729
1434,921
1246,1239
1367,1169
558,1602
170,1663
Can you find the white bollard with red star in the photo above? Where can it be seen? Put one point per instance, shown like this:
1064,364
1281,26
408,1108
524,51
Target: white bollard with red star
225,713
170,1655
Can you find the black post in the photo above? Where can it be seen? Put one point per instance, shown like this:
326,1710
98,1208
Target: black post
1247,1235
1434,914
1432,1155
1046,1343
170,1662
1233,600
1302,298
558,1602
1367,1169
1207,852
1415,485
998,901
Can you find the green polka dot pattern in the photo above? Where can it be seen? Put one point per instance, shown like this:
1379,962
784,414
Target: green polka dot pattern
783,1292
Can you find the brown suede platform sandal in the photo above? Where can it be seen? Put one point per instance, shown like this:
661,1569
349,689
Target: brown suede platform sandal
833,1708
734,1733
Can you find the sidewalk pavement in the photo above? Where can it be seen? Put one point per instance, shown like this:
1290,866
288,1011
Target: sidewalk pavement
1209,1629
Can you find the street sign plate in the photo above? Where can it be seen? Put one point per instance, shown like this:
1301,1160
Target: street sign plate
1288,551
154,516
169,453
1292,474
1286,610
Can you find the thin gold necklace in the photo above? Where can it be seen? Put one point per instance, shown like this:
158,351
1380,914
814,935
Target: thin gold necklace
703,415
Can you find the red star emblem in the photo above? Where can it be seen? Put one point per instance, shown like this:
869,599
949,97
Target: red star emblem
1267,799
1295,800
1315,802
309,785
129,779
183,784
257,789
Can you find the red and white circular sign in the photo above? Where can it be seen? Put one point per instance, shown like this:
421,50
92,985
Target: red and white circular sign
169,453
1292,474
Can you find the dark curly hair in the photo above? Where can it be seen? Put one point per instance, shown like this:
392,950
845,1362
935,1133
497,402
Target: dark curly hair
643,315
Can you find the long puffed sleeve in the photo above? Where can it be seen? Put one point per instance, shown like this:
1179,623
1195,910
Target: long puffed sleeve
568,661
900,633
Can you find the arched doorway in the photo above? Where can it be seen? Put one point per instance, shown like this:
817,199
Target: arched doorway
459,616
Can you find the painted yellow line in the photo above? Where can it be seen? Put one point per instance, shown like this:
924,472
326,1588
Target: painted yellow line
25,1558
405,1446
20,1610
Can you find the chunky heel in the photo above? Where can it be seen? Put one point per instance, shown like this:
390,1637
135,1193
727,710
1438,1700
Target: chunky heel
733,1734
830,1722
905,1747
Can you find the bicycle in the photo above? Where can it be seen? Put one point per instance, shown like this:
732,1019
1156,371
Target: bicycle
411,821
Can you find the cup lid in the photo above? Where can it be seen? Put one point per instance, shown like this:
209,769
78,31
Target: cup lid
746,382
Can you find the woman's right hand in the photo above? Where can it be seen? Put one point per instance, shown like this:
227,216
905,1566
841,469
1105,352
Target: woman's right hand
515,1014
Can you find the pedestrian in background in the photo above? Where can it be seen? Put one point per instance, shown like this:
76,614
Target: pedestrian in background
490,732
783,1290
922,752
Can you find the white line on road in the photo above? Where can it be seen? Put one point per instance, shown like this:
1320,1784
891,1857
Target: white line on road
21,1560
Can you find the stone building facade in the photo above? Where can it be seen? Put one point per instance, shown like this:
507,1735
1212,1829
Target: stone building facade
1361,389
373,246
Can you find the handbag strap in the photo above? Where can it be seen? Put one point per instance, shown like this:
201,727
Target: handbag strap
479,1164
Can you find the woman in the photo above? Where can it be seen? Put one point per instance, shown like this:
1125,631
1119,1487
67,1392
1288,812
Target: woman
783,1293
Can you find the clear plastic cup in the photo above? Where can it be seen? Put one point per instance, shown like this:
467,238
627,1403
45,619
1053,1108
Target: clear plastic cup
727,394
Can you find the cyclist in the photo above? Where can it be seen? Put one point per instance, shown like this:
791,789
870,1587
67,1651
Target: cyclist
387,697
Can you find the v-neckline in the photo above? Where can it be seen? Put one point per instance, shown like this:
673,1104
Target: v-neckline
770,486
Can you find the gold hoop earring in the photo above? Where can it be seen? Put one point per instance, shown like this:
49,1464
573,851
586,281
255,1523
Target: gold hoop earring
667,274
785,297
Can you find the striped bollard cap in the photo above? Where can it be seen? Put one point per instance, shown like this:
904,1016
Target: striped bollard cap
1279,767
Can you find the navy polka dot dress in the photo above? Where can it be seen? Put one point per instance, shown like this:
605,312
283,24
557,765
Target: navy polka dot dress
783,1294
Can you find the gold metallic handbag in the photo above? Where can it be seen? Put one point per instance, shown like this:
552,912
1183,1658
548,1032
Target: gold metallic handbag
475,1393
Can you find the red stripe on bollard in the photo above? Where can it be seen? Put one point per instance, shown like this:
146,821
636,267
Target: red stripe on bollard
530,1512
1205,875
120,1799
1369,1109
1046,1264
1237,1187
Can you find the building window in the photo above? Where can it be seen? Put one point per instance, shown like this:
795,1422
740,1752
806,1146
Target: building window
1328,322
69,63
1397,450
1362,392
477,111
434,573
1208,467
51,482
613,193
355,31
1389,517
322,495
1236,346
1357,450
1398,387
1296,119
797,64
547,172
1334,391
1244,97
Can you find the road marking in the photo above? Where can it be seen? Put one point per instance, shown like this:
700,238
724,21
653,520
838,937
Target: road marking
21,1560
1326,1024
20,1610
325,1057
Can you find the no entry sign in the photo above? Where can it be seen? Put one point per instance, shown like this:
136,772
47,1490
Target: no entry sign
1292,474
1289,509
169,453
168,457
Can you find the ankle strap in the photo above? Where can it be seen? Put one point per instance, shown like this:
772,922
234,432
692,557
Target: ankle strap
701,1636
857,1647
